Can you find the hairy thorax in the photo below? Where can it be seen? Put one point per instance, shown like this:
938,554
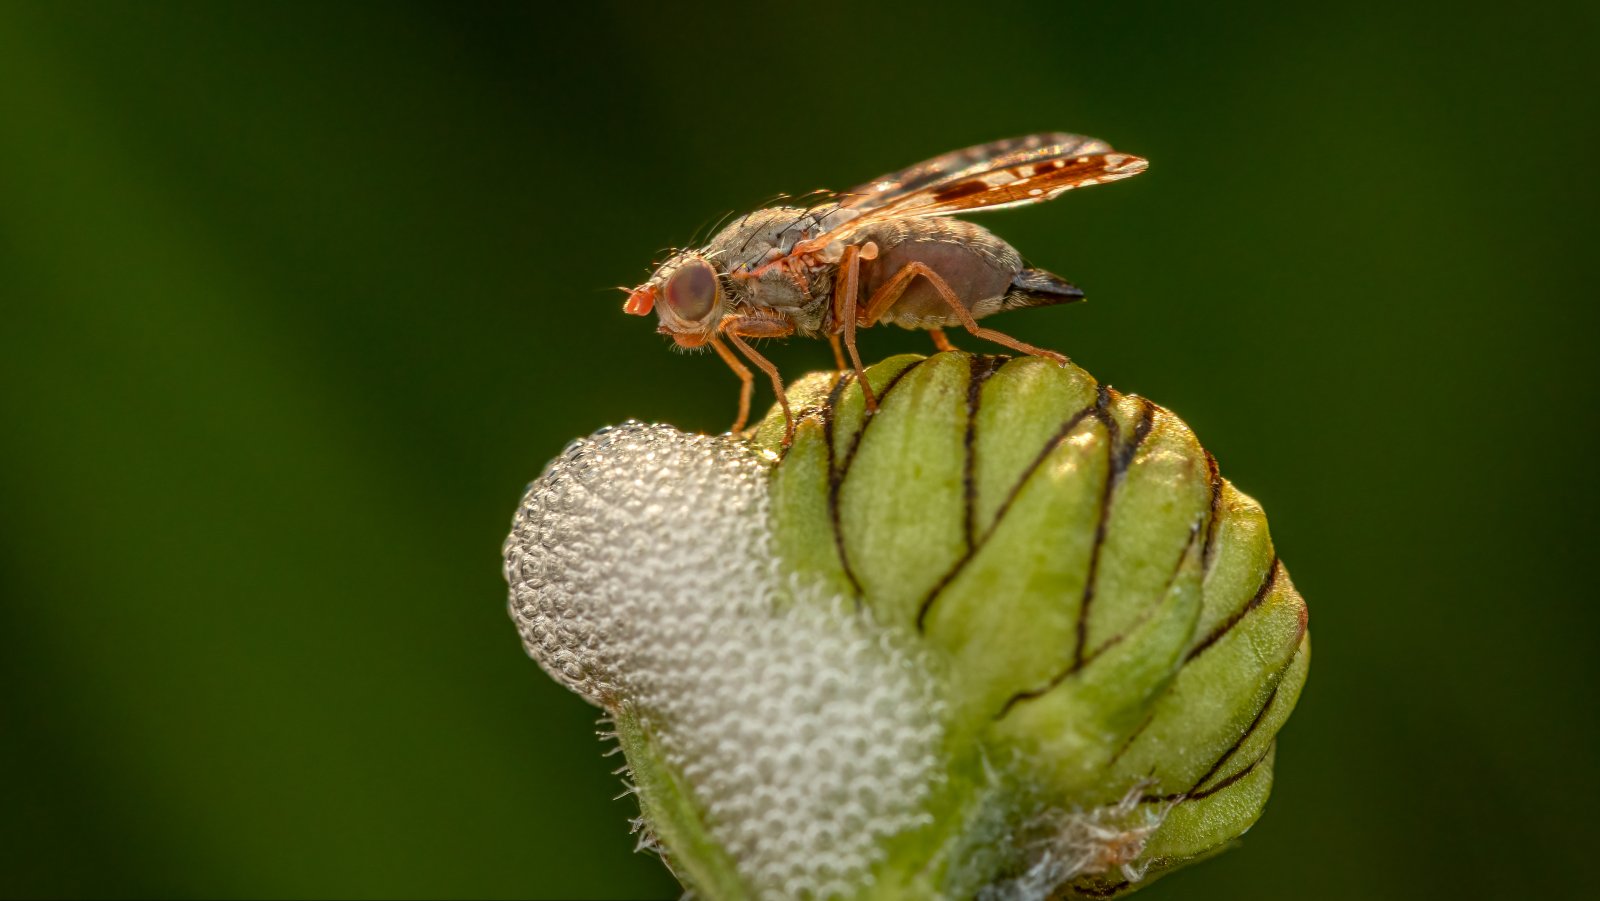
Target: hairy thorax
752,241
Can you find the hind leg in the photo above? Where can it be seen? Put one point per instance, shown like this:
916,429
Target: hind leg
884,298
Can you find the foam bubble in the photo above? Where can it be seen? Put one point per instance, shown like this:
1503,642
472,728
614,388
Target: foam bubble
642,572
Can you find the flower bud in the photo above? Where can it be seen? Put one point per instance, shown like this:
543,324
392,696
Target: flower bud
1010,636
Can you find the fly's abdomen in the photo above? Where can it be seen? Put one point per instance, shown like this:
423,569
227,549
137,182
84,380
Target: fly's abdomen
978,267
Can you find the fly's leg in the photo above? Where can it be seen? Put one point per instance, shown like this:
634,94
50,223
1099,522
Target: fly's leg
884,298
838,353
746,380
940,341
766,366
845,288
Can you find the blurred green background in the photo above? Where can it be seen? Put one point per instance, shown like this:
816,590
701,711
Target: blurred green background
298,297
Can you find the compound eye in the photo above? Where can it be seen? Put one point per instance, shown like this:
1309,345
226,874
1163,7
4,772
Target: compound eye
692,291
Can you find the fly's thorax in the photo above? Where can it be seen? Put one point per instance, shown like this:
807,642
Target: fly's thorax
754,240
797,294
745,249
778,288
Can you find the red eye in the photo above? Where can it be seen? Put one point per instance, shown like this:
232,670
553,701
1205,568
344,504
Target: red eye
692,291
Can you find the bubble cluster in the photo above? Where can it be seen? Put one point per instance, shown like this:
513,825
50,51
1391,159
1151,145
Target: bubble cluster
641,573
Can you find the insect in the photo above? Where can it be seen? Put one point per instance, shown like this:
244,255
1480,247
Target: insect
884,251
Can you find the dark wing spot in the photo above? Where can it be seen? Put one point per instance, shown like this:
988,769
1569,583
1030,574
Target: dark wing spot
1048,166
959,190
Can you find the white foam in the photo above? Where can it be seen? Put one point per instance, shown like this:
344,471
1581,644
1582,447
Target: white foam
642,571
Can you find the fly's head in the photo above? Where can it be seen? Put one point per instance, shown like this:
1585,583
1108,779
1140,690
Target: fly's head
746,268
688,296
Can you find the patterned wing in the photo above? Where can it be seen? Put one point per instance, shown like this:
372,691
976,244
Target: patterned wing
958,164
1016,178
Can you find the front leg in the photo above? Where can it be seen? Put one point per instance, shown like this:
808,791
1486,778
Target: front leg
737,328
746,380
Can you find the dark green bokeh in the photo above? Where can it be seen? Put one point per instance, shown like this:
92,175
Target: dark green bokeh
298,298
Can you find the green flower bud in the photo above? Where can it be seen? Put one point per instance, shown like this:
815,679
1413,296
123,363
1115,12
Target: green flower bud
1011,636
